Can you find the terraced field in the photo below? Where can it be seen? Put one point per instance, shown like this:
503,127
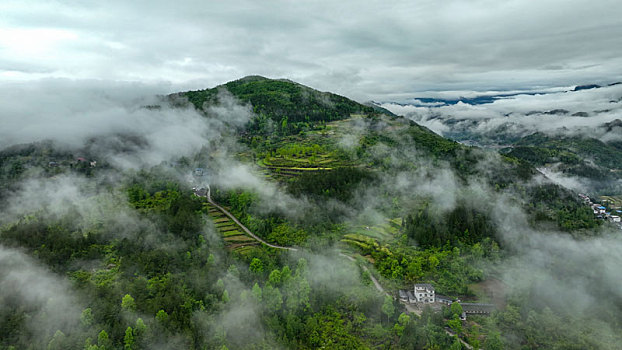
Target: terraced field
383,232
315,151
366,239
235,240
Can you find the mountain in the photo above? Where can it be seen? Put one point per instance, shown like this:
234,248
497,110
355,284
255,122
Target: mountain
262,213
279,98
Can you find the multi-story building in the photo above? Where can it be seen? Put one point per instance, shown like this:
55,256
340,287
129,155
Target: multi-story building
424,293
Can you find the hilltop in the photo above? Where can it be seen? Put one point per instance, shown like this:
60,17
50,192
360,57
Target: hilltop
282,99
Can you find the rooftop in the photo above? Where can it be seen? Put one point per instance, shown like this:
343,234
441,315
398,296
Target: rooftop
423,286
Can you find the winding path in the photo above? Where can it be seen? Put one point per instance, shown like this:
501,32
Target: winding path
373,279
246,230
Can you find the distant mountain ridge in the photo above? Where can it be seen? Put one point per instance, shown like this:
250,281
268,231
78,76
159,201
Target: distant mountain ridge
485,99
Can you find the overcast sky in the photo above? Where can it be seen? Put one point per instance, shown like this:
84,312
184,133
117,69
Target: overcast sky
382,50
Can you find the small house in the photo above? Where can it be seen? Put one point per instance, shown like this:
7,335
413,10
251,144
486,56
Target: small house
443,299
615,218
424,293
403,295
411,297
477,308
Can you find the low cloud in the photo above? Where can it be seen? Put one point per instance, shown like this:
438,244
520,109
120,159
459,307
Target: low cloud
566,112
46,298
570,275
126,123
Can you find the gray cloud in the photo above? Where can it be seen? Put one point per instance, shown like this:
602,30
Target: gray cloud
375,52
109,118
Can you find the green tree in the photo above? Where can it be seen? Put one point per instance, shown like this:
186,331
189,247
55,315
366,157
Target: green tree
275,278
103,341
286,274
301,267
256,292
128,339
220,285
128,303
456,308
140,327
225,297
57,341
493,341
433,261
162,317
256,266
402,322
455,324
233,271
387,307
272,298
86,319
456,345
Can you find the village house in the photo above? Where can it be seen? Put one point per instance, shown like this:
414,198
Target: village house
443,299
424,293
477,308
411,297
403,295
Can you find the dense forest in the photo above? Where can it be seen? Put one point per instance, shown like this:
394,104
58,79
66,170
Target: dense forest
342,197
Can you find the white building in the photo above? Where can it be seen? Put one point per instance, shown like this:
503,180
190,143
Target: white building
615,218
424,293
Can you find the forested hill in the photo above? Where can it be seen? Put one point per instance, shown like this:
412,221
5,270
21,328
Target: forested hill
597,161
295,108
281,99
112,244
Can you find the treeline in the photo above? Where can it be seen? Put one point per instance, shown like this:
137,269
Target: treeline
339,183
462,224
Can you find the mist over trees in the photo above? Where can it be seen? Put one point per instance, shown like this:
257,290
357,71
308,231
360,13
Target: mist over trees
104,243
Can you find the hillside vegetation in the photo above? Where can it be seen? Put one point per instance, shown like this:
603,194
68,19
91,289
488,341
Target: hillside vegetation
358,193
